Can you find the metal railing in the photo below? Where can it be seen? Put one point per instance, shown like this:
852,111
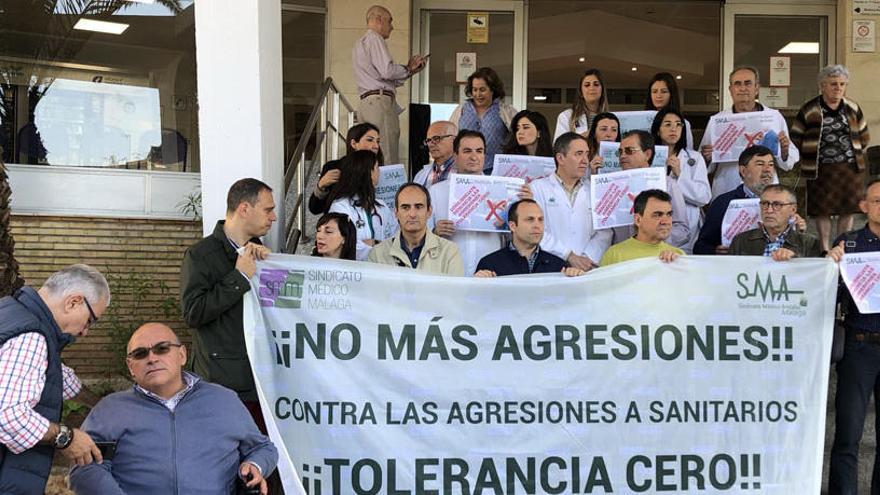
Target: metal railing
324,125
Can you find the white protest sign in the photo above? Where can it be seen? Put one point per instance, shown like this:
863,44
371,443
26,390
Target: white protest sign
612,194
861,273
741,215
384,380
731,133
525,167
661,154
610,153
391,177
640,119
479,202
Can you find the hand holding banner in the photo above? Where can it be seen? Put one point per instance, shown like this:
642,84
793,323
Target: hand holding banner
741,215
479,202
525,167
861,274
612,194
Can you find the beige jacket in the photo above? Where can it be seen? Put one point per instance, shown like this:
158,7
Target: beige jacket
439,256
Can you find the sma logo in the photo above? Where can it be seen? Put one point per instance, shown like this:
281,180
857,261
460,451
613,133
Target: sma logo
281,288
764,287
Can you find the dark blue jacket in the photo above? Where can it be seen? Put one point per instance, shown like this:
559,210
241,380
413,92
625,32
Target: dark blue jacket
710,234
858,241
24,312
507,261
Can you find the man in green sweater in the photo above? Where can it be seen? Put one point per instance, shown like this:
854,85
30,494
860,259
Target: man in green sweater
652,218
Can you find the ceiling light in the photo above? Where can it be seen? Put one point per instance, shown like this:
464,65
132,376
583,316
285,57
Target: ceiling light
539,98
635,69
800,47
582,59
100,26
678,76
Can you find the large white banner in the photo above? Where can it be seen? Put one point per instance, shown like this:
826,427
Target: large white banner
704,375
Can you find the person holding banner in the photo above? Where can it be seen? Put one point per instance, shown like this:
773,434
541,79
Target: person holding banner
686,167
529,135
832,134
417,247
744,86
779,234
439,142
593,100
663,93
565,200
858,372
485,111
606,127
524,255
355,196
652,218
363,136
757,170
637,151
335,237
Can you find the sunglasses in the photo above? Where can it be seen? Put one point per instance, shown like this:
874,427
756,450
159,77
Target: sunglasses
158,349
92,317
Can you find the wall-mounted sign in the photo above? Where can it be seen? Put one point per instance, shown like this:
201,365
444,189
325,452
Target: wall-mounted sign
864,37
478,27
465,65
774,97
866,7
780,71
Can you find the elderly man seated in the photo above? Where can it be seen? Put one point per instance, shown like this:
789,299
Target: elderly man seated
172,431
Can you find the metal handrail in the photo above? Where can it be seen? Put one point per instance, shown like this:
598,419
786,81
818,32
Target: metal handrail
323,120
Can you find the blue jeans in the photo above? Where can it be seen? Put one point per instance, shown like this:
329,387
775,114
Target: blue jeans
858,376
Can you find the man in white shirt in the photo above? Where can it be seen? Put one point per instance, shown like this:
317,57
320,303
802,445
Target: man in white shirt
439,142
378,76
744,86
564,197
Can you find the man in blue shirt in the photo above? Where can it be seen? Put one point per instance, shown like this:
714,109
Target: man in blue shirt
858,372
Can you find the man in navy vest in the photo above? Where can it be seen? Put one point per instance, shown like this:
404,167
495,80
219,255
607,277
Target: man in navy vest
34,328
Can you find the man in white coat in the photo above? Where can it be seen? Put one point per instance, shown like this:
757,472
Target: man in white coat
564,197
743,89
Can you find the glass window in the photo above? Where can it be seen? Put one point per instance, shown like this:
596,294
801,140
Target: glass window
115,88
629,42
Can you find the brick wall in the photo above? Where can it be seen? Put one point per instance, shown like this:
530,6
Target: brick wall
141,259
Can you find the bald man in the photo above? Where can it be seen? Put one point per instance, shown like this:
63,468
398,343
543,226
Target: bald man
439,140
378,77
172,431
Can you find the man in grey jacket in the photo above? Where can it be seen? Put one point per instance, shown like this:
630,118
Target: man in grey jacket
172,431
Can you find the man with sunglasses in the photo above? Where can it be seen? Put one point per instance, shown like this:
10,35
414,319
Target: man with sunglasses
778,235
35,326
173,432
439,143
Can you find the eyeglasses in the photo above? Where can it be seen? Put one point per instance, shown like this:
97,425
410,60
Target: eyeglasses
92,317
437,139
628,151
773,205
158,349
672,125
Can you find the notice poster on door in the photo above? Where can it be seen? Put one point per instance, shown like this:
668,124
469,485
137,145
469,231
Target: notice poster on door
780,71
478,27
465,65
864,37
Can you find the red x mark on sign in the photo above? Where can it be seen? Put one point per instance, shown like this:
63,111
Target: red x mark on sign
632,198
494,208
751,138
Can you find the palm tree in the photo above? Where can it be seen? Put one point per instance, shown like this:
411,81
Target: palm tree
10,279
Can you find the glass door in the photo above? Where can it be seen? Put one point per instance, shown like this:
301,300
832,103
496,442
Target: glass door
462,36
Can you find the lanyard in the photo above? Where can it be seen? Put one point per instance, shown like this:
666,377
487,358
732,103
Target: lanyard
370,224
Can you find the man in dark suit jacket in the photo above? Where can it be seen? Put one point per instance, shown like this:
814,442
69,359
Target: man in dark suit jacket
523,255
779,235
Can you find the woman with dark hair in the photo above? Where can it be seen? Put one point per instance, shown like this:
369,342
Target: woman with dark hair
592,100
606,127
529,135
355,196
686,167
335,237
485,111
663,93
363,136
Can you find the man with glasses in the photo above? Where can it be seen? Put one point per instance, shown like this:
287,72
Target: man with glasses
439,143
744,88
172,431
778,235
35,326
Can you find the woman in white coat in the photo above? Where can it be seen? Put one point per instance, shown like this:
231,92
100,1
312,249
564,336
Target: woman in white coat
355,196
684,165
592,100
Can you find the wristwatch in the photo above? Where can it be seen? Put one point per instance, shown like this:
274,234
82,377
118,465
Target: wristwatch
64,437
